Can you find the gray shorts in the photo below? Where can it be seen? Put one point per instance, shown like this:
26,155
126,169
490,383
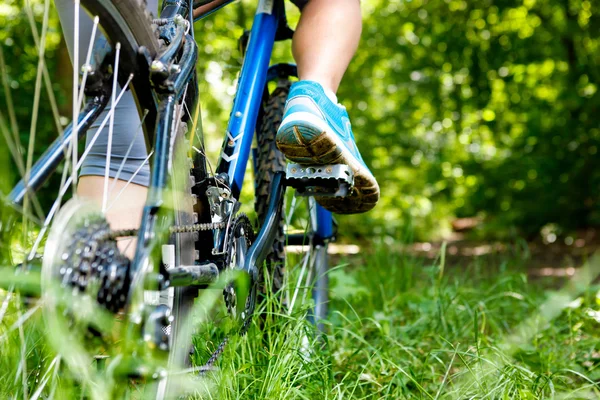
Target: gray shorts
128,150
127,134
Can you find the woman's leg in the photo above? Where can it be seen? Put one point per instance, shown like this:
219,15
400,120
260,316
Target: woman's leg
126,212
326,39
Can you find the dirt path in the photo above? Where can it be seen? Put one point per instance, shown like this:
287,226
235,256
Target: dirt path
548,257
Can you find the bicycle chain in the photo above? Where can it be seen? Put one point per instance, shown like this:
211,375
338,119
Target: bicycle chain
241,221
113,234
219,350
174,229
208,366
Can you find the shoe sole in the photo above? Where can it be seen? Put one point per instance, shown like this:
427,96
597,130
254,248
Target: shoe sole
327,148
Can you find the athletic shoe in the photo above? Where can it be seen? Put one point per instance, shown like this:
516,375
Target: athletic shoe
317,131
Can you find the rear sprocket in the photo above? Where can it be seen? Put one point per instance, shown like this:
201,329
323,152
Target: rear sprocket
82,255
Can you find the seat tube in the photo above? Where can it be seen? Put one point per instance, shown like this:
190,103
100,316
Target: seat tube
242,123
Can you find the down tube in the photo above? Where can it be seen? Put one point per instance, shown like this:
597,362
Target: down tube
240,131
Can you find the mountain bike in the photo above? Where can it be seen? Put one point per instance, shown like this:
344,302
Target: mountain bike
192,236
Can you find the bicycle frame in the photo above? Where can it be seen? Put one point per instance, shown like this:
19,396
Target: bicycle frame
237,144
240,130
252,81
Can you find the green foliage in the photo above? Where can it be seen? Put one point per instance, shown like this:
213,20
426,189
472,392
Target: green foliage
22,24
399,328
486,107
21,55
460,107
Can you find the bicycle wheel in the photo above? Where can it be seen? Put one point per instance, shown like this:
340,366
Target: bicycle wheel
298,226
270,161
127,20
128,28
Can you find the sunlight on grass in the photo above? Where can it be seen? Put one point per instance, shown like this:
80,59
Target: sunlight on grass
399,328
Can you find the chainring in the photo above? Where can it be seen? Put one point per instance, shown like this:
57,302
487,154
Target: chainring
240,239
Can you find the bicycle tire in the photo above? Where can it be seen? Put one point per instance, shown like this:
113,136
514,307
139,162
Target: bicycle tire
269,161
129,23
185,253
183,299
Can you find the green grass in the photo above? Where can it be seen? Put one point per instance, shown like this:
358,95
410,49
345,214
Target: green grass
400,328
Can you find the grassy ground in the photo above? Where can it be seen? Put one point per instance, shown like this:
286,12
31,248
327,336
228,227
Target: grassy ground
401,327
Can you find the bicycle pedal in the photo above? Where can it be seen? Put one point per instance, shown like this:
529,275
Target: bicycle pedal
335,180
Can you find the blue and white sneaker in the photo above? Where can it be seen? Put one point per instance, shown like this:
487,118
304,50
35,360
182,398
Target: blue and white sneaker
317,131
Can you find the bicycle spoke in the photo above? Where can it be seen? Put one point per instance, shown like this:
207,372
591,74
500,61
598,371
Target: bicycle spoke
46,74
86,67
65,185
111,126
76,104
309,276
308,255
195,127
103,124
129,243
291,211
55,206
130,180
306,278
118,174
16,145
209,165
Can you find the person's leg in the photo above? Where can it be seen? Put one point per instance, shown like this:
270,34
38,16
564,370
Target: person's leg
126,212
326,39
315,128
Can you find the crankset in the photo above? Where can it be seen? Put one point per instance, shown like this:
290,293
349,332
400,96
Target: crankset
240,239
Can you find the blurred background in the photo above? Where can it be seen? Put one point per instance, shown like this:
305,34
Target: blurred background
476,116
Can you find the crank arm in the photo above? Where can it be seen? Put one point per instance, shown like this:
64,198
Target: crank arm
258,252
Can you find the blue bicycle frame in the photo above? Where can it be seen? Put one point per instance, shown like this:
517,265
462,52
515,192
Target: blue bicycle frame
269,20
252,81
168,89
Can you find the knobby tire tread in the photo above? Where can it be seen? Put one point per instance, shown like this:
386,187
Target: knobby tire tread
127,22
270,161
